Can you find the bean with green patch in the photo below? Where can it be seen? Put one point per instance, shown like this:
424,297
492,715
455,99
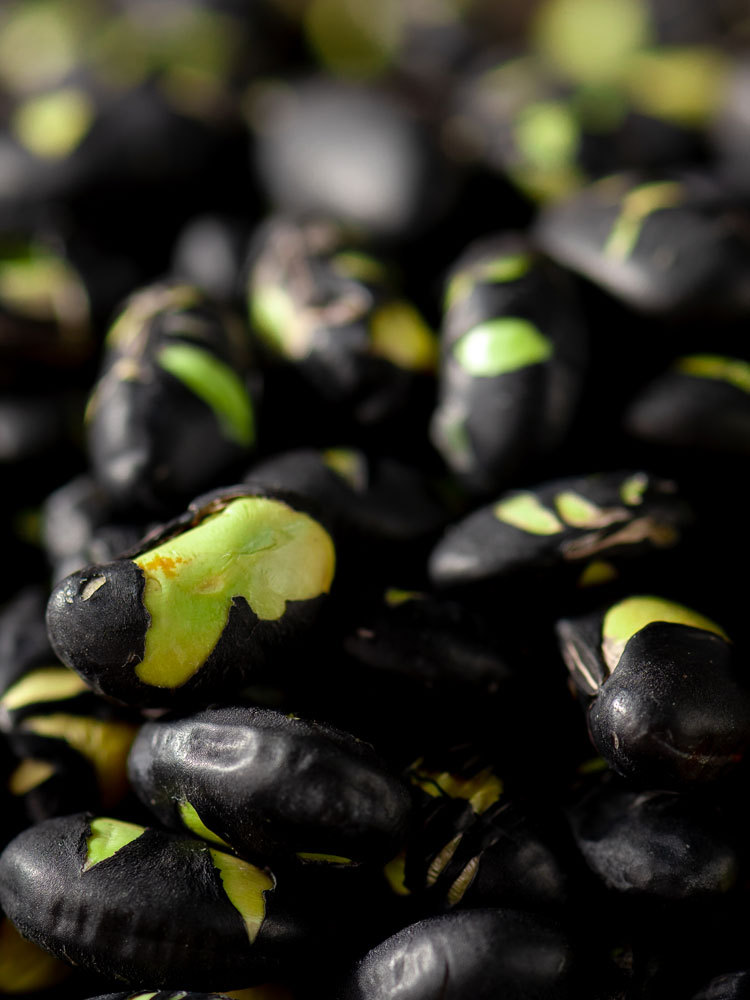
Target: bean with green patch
512,362
173,408
667,701
199,605
144,906
584,529
661,245
319,302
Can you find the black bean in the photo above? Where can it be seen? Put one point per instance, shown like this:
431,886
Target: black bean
172,410
482,953
270,785
151,630
667,699
654,844
512,362
660,244
319,301
582,529
140,905
702,402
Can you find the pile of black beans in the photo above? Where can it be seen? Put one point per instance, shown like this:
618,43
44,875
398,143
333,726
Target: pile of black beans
374,405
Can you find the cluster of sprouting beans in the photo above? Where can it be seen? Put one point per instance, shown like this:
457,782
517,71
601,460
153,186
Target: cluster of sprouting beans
374,405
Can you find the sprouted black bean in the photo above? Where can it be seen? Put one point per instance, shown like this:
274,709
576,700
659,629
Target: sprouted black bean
374,396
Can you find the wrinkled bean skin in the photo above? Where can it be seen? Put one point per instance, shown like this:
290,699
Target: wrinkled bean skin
242,771
482,953
77,906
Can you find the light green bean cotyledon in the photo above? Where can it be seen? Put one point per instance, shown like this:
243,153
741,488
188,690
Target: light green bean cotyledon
256,548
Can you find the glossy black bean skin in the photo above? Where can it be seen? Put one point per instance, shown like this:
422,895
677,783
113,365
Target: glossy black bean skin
483,953
673,710
121,622
154,911
677,697
270,785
